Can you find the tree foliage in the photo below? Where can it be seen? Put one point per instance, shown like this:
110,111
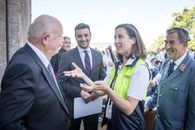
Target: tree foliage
158,43
184,19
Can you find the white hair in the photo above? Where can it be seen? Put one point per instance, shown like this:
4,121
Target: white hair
43,24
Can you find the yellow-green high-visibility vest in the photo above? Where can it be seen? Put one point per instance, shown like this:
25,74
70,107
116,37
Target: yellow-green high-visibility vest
123,79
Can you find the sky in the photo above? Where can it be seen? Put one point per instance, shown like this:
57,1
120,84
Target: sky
151,17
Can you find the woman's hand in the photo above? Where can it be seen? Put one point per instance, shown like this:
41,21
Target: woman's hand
77,72
95,92
98,85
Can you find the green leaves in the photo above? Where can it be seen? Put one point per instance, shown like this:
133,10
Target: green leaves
184,19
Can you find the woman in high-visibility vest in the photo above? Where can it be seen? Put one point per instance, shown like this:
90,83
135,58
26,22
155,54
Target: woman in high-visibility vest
126,85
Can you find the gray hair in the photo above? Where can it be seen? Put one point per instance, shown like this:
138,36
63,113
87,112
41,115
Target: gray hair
183,34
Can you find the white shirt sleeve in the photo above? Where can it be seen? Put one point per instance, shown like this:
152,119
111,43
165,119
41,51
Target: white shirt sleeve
139,83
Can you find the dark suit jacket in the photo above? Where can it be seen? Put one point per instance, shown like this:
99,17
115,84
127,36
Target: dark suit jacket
71,86
29,97
55,61
176,101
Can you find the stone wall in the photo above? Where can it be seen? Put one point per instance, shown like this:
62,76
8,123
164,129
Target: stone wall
16,19
2,37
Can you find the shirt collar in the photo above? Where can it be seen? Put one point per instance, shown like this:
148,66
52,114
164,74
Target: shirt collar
40,54
178,61
130,61
81,50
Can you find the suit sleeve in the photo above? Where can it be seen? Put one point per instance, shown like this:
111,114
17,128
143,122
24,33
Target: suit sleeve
66,83
190,125
17,97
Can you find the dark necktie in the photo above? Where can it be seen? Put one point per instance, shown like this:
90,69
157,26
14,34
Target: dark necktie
51,72
171,68
87,63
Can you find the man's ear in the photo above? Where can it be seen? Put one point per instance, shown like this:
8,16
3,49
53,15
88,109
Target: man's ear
44,38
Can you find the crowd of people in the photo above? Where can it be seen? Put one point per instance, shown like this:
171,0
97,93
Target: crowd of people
45,76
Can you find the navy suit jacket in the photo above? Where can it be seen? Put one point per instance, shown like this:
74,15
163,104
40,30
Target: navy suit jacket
29,96
175,97
71,86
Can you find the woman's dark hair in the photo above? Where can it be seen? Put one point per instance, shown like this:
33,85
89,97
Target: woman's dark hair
138,49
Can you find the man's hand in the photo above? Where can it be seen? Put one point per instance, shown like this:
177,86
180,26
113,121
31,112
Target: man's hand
146,108
94,95
95,92
85,96
87,88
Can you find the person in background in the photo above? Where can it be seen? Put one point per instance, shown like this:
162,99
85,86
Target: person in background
91,63
153,82
156,69
30,98
152,63
160,54
66,46
174,97
109,60
112,54
104,58
126,85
